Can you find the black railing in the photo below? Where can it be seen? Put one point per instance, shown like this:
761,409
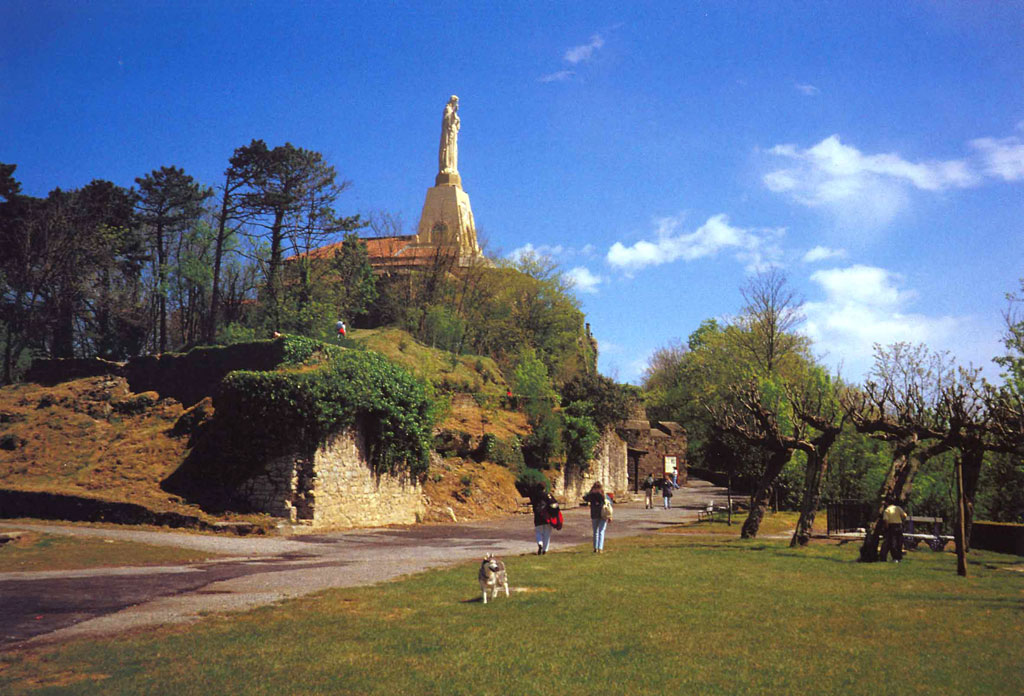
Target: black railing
849,515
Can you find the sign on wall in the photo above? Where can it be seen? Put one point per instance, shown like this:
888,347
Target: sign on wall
670,464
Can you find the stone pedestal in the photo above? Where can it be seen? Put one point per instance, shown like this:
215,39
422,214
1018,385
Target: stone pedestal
447,219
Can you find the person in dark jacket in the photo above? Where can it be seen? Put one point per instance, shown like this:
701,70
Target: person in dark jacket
667,486
597,500
544,507
648,486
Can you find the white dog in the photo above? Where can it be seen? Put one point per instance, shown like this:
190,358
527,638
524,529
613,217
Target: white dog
492,576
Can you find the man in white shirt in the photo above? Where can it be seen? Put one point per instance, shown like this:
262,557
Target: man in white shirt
894,517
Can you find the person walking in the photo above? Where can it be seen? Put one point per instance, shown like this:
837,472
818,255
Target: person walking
544,508
648,486
666,491
600,513
894,517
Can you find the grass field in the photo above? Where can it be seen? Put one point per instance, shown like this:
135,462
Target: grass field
671,613
34,551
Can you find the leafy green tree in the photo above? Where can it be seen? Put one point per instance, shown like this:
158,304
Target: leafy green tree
580,434
71,267
536,394
358,282
287,196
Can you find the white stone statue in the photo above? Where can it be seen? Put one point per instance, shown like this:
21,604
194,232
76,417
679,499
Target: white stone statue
449,152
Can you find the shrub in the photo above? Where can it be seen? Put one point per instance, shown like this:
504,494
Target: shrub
580,435
507,453
273,412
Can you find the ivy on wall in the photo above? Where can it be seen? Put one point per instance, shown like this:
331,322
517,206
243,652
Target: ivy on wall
272,413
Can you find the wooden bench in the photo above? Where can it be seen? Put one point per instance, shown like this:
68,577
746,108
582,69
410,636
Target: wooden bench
936,540
708,512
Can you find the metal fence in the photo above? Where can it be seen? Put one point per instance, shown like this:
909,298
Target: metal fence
849,515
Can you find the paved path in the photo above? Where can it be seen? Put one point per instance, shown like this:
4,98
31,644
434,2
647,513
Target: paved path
54,606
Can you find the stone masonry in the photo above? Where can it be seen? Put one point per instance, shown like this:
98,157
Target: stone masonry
335,488
609,466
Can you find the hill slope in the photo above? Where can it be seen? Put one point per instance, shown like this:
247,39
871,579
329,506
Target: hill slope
95,439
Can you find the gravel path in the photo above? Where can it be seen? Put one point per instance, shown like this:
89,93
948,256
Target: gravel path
50,606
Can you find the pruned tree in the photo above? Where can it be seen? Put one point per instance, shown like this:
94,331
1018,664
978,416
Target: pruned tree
756,413
815,402
900,405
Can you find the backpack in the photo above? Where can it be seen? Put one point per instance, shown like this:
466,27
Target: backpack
606,510
555,515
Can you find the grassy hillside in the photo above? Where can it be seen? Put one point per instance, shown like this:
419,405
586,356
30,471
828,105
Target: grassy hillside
93,438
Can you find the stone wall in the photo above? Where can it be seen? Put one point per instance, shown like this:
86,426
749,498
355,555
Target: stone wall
650,443
333,488
609,466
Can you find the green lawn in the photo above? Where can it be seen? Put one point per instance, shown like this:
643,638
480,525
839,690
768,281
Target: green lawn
35,551
671,613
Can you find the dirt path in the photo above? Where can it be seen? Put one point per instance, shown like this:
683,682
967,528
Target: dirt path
56,606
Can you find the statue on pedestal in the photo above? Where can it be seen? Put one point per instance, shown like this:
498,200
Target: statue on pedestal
448,155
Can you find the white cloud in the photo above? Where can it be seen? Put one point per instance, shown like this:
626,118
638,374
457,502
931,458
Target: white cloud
1002,157
757,248
553,251
865,305
821,253
583,280
560,76
806,89
579,54
869,189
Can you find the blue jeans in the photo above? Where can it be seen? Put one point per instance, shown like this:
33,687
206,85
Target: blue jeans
599,527
543,534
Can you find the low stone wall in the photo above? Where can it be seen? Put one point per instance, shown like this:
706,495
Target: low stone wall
609,466
333,488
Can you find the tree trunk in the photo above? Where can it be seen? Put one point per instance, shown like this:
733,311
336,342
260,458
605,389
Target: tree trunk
9,355
64,329
971,472
759,503
891,491
958,531
274,270
218,255
817,465
161,291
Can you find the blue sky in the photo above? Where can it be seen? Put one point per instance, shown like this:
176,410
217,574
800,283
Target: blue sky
660,152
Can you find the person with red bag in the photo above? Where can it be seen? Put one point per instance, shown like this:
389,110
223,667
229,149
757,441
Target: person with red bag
546,514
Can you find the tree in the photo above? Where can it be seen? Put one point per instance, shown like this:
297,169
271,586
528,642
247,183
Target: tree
900,404
757,413
227,222
358,282
287,196
534,391
580,434
169,202
768,320
815,403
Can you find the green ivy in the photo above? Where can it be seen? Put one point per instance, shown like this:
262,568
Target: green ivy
298,350
274,412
